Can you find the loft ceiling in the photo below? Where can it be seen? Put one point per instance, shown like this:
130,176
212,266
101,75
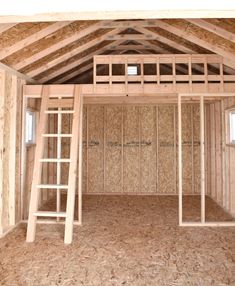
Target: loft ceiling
52,52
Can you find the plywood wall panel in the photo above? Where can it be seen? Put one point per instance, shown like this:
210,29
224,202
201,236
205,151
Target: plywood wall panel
196,168
187,147
113,149
166,172
84,150
148,167
131,162
95,149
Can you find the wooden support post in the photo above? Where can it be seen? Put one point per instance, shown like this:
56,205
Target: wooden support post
139,149
157,147
175,153
2,105
192,149
202,145
12,153
180,161
58,164
104,145
87,149
37,171
23,159
73,167
223,153
122,151
80,162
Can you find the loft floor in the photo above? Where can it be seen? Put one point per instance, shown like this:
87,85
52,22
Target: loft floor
125,240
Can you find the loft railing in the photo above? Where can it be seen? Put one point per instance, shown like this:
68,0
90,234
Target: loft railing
160,70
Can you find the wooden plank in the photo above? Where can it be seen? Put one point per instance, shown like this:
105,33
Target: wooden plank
218,154
202,150
213,29
12,152
152,90
72,65
37,170
5,27
151,35
80,160
74,52
180,161
223,122
23,158
55,47
2,104
7,51
228,56
73,167
20,75
213,155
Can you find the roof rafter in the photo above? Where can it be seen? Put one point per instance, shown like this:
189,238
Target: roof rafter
5,52
72,53
213,29
5,27
75,63
76,36
229,58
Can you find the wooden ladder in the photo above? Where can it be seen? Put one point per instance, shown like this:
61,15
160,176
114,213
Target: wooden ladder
34,213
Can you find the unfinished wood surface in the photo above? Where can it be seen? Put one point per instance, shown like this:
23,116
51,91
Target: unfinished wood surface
131,151
113,147
142,230
135,146
73,166
95,145
220,155
10,193
37,169
166,173
47,48
148,149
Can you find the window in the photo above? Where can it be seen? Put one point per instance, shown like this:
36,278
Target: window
30,127
232,126
132,70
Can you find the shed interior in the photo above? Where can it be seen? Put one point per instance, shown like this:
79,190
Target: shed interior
155,142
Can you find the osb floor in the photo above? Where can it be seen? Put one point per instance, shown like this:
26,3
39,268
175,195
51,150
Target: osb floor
125,240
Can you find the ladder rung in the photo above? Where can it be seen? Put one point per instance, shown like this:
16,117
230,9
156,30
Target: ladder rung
59,111
57,135
47,186
49,214
54,160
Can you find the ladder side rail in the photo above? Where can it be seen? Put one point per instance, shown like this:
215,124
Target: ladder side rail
37,170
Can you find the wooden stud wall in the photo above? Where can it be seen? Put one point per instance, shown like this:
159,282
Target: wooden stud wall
220,156
132,149
10,146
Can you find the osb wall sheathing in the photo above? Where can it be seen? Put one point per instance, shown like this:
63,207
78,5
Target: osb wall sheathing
95,149
113,149
220,155
166,149
148,148
132,149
